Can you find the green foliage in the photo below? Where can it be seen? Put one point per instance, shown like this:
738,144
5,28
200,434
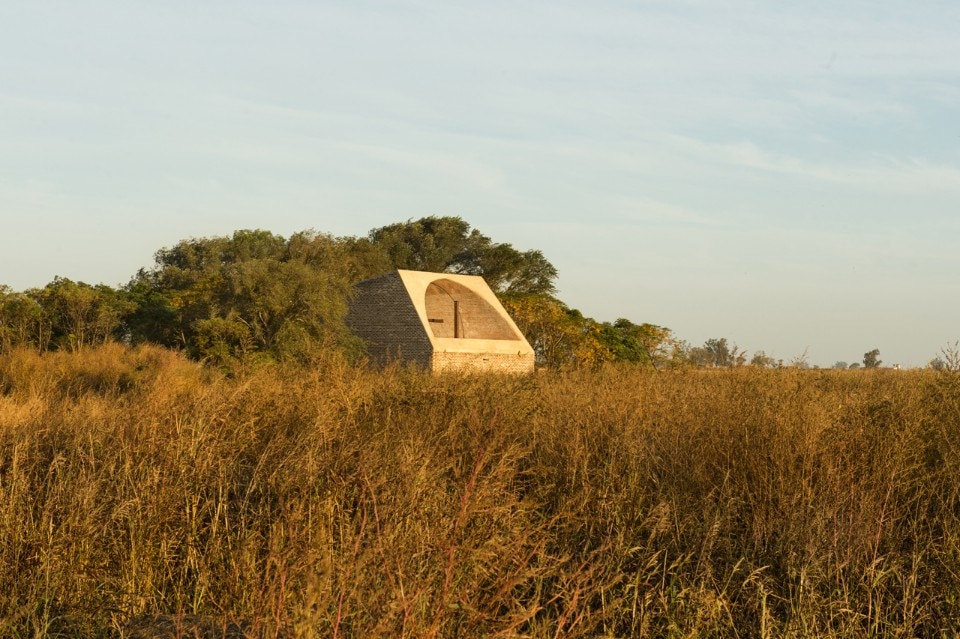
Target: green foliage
224,298
447,244
635,343
155,317
222,340
353,258
717,353
80,315
227,298
22,322
430,244
284,306
561,337
871,359
511,272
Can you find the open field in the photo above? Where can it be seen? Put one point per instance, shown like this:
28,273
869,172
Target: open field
338,502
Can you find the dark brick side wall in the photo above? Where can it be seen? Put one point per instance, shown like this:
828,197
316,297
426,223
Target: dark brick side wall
383,315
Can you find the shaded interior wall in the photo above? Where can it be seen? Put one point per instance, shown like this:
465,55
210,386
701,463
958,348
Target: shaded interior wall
476,318
383,315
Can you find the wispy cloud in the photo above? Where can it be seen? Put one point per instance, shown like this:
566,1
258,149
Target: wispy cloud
880,174
440,165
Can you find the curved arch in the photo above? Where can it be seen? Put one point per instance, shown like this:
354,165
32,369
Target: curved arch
455,311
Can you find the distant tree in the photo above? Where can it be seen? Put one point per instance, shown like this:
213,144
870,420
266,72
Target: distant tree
855,365
871,359
948,360
951,356
676,353
718,352
625,341
738,357
840,365
802,360
699,356
256,292
761,359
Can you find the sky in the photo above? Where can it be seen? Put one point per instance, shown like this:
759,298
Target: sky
783,175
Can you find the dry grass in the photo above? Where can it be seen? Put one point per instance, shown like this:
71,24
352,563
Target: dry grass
338,502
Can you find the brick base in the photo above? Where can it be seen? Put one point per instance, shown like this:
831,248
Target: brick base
481,362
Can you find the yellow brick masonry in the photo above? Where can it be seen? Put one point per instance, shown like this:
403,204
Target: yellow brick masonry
390,313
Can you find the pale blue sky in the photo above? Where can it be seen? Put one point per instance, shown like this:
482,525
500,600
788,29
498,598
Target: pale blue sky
786,175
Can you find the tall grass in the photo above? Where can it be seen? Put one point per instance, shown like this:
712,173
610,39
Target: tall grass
332,501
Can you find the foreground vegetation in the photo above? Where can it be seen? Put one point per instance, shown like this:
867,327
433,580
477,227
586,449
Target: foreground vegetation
333,501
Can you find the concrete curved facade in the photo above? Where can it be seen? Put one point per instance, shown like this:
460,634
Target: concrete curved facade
439,321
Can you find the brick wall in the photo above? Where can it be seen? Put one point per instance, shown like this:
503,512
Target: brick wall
383,315
491,362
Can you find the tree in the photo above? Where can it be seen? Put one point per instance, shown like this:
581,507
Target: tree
448,244
508,271
352,258
871,359
840,365
948,360
560,336
802,360
951,356
22,322
284,307
79,314
738,357
636,343
718,352
154,316
430,244
761,359
226,297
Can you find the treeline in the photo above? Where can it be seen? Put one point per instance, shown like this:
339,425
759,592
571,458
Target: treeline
256,294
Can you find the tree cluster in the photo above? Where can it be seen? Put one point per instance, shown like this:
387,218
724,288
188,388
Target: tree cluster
257,294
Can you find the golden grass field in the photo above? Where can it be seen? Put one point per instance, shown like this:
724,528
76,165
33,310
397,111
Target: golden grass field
335,501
